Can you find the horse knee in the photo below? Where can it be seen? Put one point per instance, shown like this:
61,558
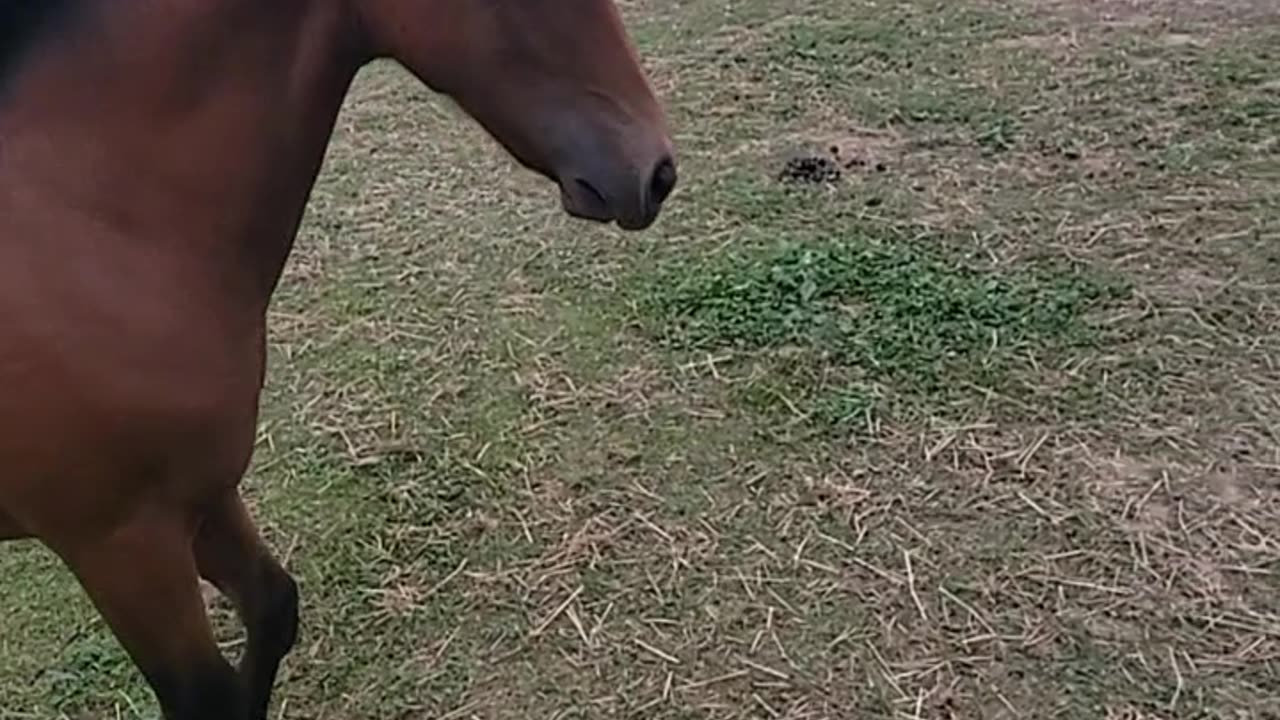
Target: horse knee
273,630
277,621
213,693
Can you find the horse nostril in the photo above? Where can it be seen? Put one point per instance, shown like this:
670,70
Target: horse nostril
663,181
590,194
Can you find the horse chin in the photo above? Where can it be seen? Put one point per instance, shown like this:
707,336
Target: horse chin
584,202
636,224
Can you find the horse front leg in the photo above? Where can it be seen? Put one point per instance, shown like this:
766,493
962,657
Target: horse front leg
142,578
231,554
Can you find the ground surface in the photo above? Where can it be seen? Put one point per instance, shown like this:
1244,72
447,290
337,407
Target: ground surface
984,427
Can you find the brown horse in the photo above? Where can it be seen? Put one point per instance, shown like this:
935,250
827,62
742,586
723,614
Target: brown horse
155,161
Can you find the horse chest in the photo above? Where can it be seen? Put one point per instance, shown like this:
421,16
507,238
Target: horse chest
86,440
111,402
127,382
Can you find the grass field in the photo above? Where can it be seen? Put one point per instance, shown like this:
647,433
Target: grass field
986,427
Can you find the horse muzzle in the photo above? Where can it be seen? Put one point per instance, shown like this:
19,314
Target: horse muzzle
631,199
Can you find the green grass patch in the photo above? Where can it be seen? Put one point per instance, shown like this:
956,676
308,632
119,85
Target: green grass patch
896,313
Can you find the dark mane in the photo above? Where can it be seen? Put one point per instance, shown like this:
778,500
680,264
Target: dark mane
23,24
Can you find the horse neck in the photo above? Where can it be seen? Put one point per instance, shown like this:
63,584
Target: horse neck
196,128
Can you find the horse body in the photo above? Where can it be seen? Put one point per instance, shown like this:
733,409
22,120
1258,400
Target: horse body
140,253
155,163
